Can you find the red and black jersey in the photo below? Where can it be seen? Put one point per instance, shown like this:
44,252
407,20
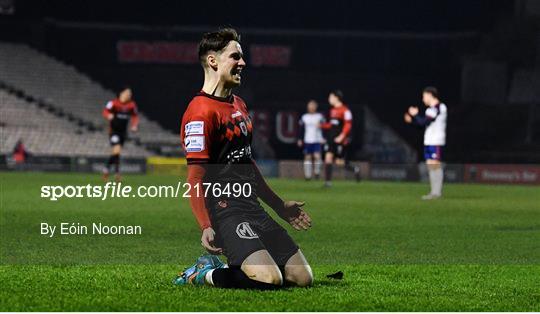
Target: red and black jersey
339,122
216,130
122,113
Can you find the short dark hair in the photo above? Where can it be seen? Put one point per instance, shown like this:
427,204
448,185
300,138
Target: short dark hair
431,90
123,88
216,41
338,93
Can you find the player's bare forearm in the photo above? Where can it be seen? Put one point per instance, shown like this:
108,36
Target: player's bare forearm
264,192
290,211
407,118
107,114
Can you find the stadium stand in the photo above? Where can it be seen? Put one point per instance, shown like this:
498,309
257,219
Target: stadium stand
382,144
45,133
70,93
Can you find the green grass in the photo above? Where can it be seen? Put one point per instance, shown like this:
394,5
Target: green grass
478,249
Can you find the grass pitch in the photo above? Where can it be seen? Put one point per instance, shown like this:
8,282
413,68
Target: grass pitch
478,249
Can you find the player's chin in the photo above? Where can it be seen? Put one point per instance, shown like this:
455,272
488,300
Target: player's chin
236,82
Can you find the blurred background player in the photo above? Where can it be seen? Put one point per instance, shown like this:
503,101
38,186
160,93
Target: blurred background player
434,121
20,154
338,131
311,139
119,112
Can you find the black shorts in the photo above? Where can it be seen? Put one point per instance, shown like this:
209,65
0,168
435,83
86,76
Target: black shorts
117,138
339,150
242,234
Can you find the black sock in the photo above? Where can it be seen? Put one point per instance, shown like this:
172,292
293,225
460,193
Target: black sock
234,277
328,172
117,163
110,162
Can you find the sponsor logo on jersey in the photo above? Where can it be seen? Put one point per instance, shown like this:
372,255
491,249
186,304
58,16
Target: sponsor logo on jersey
236,114
243,128
194,127
223,204
239,154
194,143
244,231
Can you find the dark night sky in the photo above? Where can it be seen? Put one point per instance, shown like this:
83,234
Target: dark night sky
393,15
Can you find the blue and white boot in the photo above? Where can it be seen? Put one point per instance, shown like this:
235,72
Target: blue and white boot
195,274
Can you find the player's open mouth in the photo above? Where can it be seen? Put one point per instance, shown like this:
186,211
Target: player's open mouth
236,74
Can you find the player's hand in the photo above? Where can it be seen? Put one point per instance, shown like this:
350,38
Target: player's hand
207,241
413,111
295,215
339,139
110,116
299,143
407,118
134,129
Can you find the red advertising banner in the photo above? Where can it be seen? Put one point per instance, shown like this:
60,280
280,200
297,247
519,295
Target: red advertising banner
157,52
511,174
187,53
269,55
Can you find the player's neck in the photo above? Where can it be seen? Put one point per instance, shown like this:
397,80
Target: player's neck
216,88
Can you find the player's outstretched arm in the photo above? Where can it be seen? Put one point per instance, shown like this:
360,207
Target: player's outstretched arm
293,213
107,112
290,211
134,118
407,117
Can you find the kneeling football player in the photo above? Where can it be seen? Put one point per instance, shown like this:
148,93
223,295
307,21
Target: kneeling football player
217,133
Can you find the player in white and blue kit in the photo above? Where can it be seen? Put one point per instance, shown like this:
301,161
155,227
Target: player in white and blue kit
434,121
311,140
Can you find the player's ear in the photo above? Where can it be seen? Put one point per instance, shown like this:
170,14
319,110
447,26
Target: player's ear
211,60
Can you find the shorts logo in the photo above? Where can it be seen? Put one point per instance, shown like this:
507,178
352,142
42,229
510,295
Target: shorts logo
244,231
115,139
194,143
194,127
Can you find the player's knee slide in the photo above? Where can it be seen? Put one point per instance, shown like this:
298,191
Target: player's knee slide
275,277
271,275
301,276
